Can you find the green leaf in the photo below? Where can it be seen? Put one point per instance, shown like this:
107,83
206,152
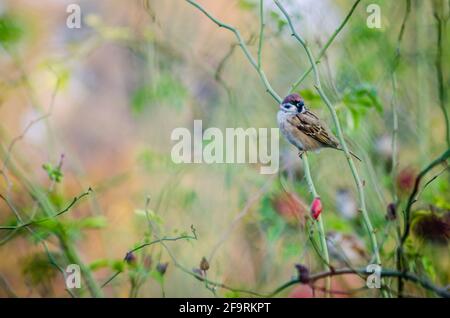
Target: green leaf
118,266
232,294
98,264
152,216
362,96
429,268
157,276
11,30
246,4
54,173
165,89
309,95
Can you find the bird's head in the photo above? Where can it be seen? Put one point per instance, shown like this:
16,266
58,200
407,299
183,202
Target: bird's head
293,103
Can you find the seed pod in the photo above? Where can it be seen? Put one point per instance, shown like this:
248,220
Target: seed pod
204,265
391,212
405,180
162,268
130,258
316,208
303,273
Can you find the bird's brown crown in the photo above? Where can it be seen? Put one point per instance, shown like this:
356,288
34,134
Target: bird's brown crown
293,99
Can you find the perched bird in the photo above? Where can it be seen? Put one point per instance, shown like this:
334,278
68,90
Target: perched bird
302,128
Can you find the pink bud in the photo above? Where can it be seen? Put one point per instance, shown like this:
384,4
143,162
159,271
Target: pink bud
316,208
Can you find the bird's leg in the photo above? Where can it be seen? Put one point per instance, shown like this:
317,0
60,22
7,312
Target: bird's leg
300,153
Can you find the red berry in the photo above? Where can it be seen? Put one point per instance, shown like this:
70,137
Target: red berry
316,208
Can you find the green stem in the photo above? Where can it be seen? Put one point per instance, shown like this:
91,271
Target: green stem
322,236
440,23
261,31
73,257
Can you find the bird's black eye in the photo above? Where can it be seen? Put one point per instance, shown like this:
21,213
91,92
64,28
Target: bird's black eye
300,103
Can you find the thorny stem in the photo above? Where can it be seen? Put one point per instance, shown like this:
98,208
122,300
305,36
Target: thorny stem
261,31
340,134
325,47
323,239
33,222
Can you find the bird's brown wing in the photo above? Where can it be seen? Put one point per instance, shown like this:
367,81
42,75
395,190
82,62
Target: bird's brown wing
310,125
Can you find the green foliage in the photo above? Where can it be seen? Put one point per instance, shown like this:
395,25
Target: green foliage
11,29
271,222
232,294
165,89
54,173
280,22
357,101
362,97
429,267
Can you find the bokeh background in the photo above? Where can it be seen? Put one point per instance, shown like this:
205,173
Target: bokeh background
95,107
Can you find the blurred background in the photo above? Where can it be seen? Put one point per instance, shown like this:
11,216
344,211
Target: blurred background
94,107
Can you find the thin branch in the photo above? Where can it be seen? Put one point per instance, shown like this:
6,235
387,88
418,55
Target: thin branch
19,226
322,236
244,48
159,240
261,31
412,198
15,140
440,23
441,291
43,242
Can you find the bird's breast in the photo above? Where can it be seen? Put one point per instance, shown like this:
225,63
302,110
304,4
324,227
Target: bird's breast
287,129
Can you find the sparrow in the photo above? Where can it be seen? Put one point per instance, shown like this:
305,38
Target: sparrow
304,129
